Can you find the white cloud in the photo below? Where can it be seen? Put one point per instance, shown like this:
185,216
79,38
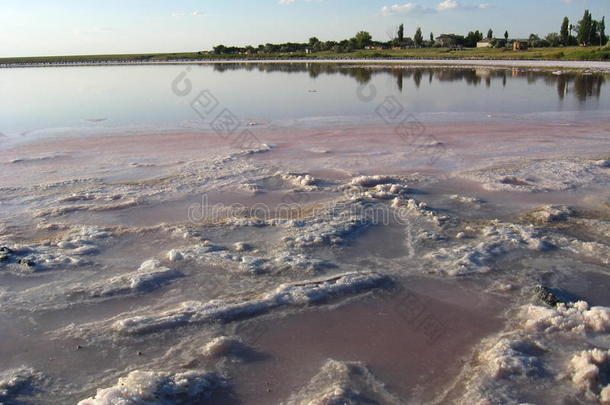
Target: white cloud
294,1
195,13
456,5
447,5
413,8
408,8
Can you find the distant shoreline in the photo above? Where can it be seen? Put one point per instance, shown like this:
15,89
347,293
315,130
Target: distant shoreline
599,66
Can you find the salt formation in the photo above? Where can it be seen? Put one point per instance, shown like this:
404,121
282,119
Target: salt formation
420,210
16,382
286,295
543,175
386,191
592,250
301,181
590,370
551,213
223,346
572,317
158,388
507,365
70,251
151,275
330,225
220,256
479,255
284,260
290,260
66,209
343,383
370,181
466,199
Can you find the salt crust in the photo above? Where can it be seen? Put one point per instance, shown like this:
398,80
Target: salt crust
158,388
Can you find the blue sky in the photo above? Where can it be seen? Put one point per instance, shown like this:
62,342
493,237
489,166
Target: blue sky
54,27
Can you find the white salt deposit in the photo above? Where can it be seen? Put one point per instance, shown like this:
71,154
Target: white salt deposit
340,382
480,254
370,181
286,295
543,175
158,388
16,382
551,213
301,181
507,366
590,370
150,276
223,346
573,317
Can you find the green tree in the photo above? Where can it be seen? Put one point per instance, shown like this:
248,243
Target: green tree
593,39
506,35
472,38
490,34
314,44
565,31
220,49
432,37
584,29
401,33
602,32
362,39
554,39
418,38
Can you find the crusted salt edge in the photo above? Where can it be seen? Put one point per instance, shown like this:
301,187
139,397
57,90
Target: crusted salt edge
286,295
543,175
493,374
59,211
571,317
370,181
593,250
14,381
150,276
302,181
419,209
386,191
550,213
516,354
329,226
153,387
465,199
191,177
68,252
223,346
219,255
589,369
479,255
340,382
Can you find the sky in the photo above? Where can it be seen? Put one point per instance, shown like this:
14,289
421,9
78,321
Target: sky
76,27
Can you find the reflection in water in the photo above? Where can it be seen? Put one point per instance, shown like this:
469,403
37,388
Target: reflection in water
583,86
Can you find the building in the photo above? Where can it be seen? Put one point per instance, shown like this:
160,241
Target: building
486,43
449,40
519,45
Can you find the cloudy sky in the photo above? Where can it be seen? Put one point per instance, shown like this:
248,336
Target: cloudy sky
56,27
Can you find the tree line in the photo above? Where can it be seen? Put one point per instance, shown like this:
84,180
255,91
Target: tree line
587,32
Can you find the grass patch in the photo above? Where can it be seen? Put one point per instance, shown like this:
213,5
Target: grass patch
558,53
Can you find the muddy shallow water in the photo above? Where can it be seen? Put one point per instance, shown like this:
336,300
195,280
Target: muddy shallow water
337,257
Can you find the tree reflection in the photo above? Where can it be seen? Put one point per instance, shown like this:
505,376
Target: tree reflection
582,86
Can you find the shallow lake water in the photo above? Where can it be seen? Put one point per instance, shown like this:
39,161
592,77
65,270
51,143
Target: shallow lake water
38,101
